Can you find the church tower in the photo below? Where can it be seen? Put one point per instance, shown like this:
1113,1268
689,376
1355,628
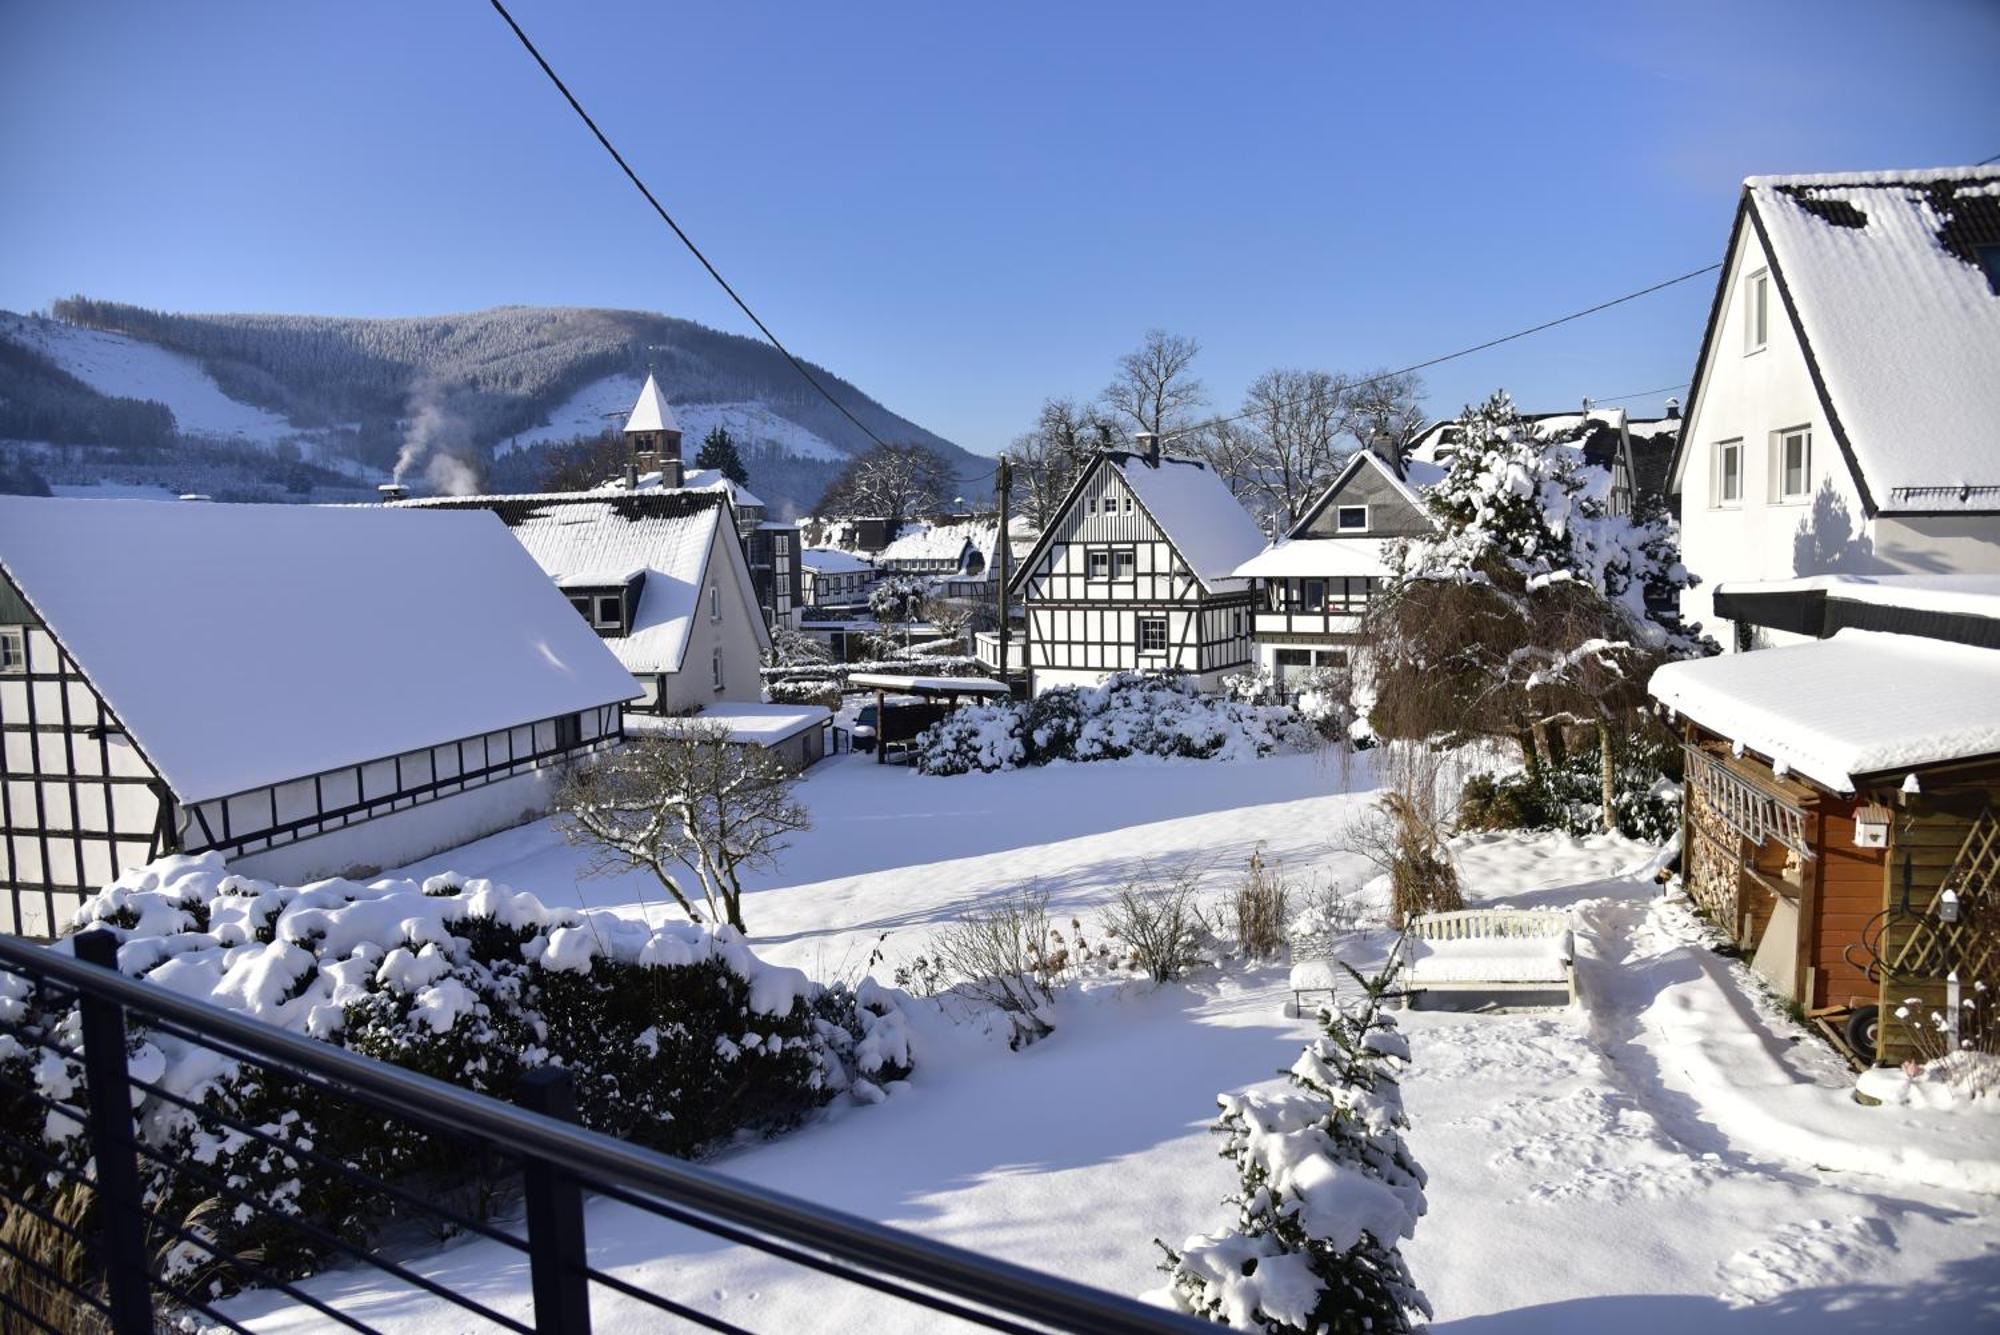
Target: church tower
652,438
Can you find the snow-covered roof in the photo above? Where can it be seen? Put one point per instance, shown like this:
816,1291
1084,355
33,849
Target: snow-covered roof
246,645
1970,595
943,540
711,479
577,536
891,681
1901,321
651,412
748,723
1331,558
1196,510
1862,703
834,561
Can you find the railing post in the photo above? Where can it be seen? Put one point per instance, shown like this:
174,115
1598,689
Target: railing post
122,1228
556,1255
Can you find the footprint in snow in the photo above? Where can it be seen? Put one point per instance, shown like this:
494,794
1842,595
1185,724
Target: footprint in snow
1807,1255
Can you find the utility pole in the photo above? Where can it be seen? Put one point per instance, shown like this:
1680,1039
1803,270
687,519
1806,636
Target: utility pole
1004,477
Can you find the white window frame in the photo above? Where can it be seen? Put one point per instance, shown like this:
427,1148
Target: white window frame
617,615
1340,525
14,651
715,666
1090,505
1139,638
1757,311
715,602
1091,557
1723,449
1780,489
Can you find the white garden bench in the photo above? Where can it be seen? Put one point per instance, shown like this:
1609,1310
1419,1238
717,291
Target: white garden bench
1490,950
1471,950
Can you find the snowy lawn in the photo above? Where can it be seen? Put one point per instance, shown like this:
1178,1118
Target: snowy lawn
1661,1158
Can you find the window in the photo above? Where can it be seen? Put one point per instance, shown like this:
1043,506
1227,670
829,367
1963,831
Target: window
1128,499
1097,563
1124,563
1756,310
1729,473
13,650
569,732
1090,506
1350,518
1152,635
1794,463
1236,625
1315,598
715,668
610,610
715,607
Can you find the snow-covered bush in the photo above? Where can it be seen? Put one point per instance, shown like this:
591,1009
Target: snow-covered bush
1156,714
1329,1191
1001,955
679,1037
1160,923
822,691
1568,795
1252,686
1325,700
977,737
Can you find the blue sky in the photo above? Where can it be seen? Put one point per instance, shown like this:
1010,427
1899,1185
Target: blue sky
965,208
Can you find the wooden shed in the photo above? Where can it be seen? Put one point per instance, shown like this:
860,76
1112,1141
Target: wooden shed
1842,816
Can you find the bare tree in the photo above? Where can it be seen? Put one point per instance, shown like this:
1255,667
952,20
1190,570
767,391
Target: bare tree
1298,428
1048,457
1155,389
582,464
692,800
893,482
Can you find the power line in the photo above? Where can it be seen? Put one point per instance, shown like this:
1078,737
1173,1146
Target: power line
1640,394
1464,352
668,219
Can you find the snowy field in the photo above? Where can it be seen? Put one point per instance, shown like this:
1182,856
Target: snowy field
1670,1156
606,402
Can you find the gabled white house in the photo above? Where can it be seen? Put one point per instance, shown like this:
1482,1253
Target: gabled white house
306,689
659,575
957,555
1314,584
1138,571
1845,411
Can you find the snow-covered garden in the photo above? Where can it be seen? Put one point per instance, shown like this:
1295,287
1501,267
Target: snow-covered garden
1672,1152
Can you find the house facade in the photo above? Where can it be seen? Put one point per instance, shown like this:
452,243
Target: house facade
1313,586
1845,412
1137,572
660,576
410,682
834,578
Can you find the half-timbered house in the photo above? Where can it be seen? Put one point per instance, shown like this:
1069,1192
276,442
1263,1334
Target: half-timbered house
306,690
1137,572
660,575
1313,586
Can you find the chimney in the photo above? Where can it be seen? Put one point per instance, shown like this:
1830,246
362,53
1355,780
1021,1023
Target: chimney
1148,444
1673,410
391,491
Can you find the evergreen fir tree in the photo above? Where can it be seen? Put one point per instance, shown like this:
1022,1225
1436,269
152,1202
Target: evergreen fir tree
1329,1191
718,451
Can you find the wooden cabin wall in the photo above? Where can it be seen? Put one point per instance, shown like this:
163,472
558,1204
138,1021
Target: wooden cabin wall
1849,894
1932,837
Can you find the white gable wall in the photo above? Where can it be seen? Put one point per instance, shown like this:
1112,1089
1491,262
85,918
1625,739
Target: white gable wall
735,634
1750,396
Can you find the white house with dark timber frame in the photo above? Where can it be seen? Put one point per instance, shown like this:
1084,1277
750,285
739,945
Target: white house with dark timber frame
661,575
1314,585
1137,572
308,690
1845,413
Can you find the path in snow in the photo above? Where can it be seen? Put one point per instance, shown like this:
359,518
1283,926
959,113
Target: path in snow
1580,1179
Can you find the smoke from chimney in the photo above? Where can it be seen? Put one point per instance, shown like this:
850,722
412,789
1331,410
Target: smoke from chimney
438,438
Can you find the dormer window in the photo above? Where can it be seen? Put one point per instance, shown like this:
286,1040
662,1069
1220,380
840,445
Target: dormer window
610,612
1756,311
1350,519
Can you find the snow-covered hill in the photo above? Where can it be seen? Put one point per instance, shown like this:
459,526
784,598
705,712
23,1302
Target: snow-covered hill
606,402
132,368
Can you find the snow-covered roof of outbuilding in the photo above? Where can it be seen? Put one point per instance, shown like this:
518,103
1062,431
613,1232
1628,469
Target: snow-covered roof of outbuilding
711,479
651,412
749,723
1314,558
670,535
1970,595
834,561
247,645
1881,274
1199,514
1835,711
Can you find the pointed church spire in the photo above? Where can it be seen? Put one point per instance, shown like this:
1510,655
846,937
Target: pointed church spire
651,412
652,438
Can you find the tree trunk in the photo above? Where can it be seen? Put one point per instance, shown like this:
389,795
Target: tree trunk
1608,772
1531,757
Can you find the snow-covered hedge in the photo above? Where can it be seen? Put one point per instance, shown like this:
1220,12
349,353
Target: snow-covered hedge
678,1036
922,665
1130,714
1329,1192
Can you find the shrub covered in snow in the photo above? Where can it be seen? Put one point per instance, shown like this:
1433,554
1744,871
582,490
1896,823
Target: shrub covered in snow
1329,1192
1155,714
1568,794
679,1037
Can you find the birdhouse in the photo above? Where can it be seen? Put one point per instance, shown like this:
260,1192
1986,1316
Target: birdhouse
1871,826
